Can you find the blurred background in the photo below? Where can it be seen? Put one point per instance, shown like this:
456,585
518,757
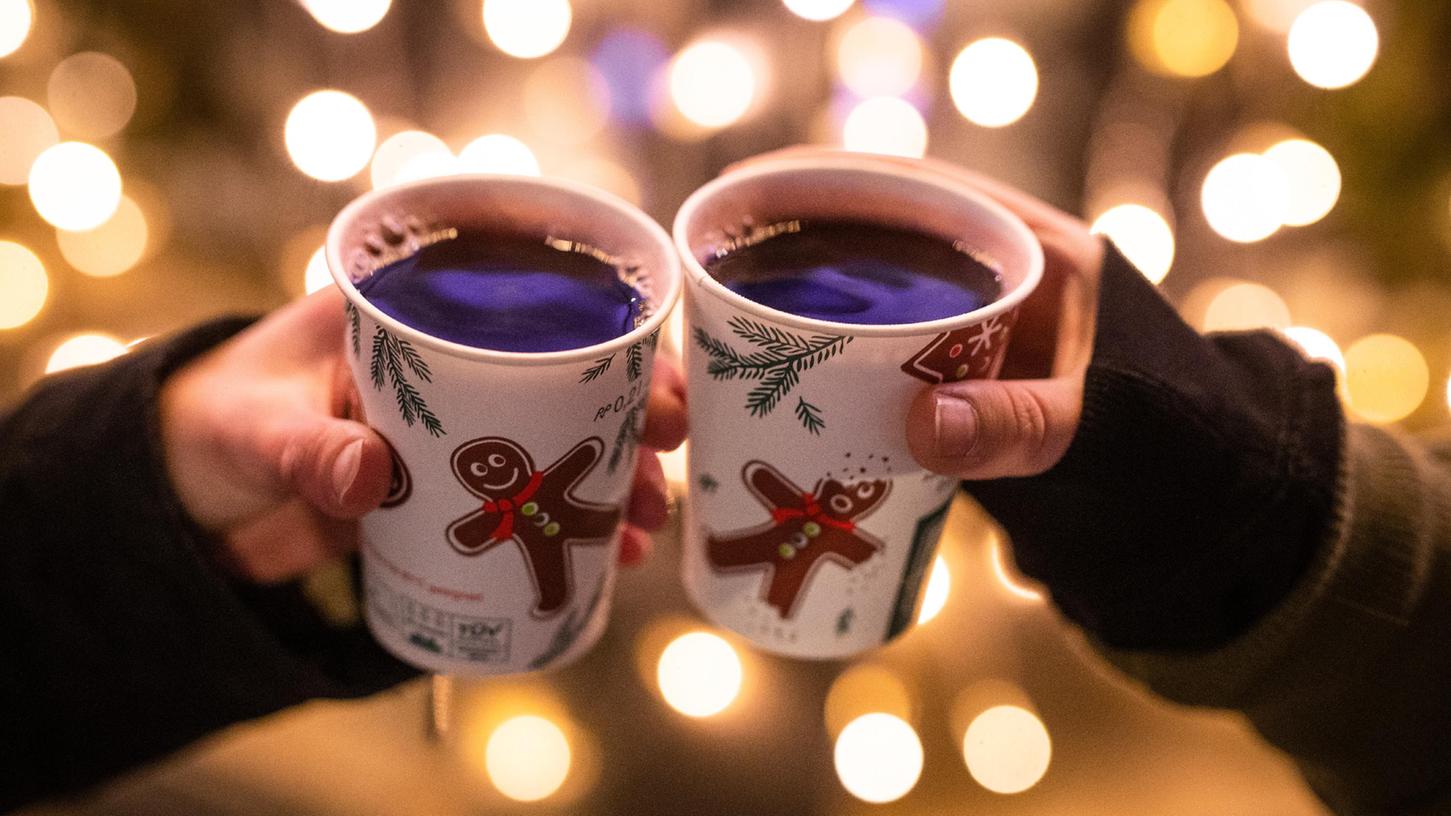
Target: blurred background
1268,163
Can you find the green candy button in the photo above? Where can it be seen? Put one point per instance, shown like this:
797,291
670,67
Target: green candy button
552,528
786,551
530,508
811,529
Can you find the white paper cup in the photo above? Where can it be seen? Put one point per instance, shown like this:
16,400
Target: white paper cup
495,551
809,526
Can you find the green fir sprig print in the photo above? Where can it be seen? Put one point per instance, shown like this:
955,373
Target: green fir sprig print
776,362
635,361
625,437
601,365
393,359
355,325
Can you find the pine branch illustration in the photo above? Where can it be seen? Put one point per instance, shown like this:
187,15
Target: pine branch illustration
600,367
355,323
392,355
628,433
810,416
763,398
767,337
653,340
823,348
727,364
414,360
375,367
634,361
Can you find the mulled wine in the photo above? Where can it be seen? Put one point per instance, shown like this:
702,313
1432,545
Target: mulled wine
509,292
855,272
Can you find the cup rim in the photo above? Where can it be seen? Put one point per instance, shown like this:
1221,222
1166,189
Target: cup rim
672,272
765,167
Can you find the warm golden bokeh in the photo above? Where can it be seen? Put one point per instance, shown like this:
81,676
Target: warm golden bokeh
993,82
879,56
75,186
527,758
1007,749
1333,44
91,95
878,758
699,674
862,689
1187,38
1142,235
1386,378
885,124
330,135
23,285
26,131
110,249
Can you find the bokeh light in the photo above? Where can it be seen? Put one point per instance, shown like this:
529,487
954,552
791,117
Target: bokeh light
527,758
1275,15
567,99
316,277
1316,345
865,688
885,124
16,18
934,598
1142,235
712,83
84,349
347,16
1312,180
23,285
1333,44
879,56
1007,749
993,82
699,674
1245,197
75,186
91,94
818,9
878,758
527,28
1246,306
26,130
498,153
1386,378
407,156
1188,38
330,135
110,249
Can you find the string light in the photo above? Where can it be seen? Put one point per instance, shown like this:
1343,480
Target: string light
347,16
1312,180
993,82
1246,306
498,153
879,56
16,18
699,674
1142,235
818,10
527,28
1386,378
23,285
75,186
1245,197
939,583
91,94
1332,44
1187,38
885,124
712,83
111,248
1316,345
527,758
330,135
85,349
567,100
26,130
1007,749
316,277
409,155
878,758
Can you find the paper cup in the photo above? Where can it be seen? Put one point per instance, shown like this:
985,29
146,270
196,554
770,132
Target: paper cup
809,526
495,550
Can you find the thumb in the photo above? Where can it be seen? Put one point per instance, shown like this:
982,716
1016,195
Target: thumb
989,429
340,467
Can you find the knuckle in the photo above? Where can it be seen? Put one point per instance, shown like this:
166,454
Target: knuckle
1029,422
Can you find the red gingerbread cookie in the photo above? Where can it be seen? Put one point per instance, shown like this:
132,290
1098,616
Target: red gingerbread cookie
534,509
976,351
806,530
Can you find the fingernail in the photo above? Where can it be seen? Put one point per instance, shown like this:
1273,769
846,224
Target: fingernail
955,426
345,468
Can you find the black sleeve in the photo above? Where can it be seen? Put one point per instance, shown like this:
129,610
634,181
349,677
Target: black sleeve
1197,489
121,639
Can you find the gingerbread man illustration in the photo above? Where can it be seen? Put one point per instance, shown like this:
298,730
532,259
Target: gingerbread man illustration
806,530
976,351
534,509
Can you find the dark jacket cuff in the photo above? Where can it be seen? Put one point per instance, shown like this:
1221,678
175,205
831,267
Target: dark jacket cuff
1197,488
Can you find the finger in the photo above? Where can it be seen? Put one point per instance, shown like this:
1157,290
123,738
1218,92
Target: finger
286,543
635,545
649,506
989,429
665,422
342,468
